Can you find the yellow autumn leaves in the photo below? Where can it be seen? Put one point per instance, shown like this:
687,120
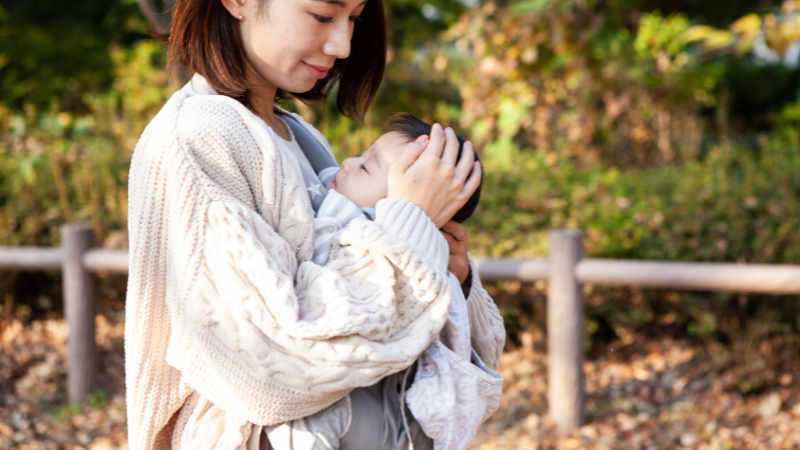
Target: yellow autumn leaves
778,31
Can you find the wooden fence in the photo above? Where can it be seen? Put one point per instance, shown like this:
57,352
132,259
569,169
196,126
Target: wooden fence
564,270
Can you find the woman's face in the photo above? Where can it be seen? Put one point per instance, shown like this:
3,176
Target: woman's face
291,44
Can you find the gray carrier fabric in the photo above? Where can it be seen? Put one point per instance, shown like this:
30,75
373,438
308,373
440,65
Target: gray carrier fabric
314,151
316,155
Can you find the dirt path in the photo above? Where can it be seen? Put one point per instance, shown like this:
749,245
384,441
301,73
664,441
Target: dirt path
657,394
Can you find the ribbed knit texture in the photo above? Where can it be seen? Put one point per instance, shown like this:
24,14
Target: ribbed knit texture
485,322
221,232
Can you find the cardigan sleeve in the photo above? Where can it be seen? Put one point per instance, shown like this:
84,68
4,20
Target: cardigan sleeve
266,335
485,321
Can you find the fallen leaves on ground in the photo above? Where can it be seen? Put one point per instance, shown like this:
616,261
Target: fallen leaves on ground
34,412
643,394
658,394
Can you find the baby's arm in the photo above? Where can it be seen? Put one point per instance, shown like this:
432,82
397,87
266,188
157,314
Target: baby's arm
335,212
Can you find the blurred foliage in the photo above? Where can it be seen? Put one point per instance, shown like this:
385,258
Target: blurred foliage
664,130
777,32
731,206
54,52
59,166
553,77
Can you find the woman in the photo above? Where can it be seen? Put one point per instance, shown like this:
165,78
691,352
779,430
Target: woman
221,232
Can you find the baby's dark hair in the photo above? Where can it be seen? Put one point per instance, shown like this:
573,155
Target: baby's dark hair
411,127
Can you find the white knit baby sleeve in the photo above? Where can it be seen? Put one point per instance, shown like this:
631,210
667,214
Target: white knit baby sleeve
396,275
408,223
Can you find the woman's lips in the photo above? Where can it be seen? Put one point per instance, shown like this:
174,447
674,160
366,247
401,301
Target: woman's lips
318,72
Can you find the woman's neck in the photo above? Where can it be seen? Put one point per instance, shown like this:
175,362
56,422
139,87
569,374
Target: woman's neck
262,102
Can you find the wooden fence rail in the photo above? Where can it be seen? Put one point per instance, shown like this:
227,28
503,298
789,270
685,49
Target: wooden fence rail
564,270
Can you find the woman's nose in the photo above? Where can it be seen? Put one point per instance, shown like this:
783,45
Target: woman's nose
338,42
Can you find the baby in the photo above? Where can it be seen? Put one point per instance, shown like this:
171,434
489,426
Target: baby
356,187
452,390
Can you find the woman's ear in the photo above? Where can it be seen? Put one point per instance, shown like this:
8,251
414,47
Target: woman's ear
234,7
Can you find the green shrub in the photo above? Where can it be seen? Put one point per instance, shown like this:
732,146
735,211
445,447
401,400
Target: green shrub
737,204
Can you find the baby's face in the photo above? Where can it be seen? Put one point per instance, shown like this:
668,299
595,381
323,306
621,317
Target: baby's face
364,179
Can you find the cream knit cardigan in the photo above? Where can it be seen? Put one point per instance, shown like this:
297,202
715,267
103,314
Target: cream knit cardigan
223,301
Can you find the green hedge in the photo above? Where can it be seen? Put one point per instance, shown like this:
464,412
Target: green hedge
735,204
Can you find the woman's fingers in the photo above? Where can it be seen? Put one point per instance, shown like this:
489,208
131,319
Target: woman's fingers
437,141
457,194
427,177
473,181
455,229
459,266
465,163
452,242
456,236
450,153
410,154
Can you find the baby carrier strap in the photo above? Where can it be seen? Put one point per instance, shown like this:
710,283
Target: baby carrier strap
319,157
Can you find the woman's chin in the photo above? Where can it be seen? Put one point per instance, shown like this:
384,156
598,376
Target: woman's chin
300,87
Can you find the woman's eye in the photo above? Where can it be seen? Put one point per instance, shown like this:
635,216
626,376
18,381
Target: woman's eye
356,19
323,19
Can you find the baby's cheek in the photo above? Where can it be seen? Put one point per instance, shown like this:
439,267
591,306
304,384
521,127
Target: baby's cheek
371,193
349,191
382,183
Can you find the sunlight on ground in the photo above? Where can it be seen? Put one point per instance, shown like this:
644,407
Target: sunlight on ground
646,394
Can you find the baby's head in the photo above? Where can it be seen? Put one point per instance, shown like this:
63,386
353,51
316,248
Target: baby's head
364,179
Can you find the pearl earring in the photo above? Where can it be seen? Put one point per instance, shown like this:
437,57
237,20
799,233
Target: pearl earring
240,18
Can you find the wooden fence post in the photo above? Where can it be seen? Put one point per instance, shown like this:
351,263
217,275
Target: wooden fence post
565,390
76,240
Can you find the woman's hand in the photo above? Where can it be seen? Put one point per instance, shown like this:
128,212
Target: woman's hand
429,177
456,236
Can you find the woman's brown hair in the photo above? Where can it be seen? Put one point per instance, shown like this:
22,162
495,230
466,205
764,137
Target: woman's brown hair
206,38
